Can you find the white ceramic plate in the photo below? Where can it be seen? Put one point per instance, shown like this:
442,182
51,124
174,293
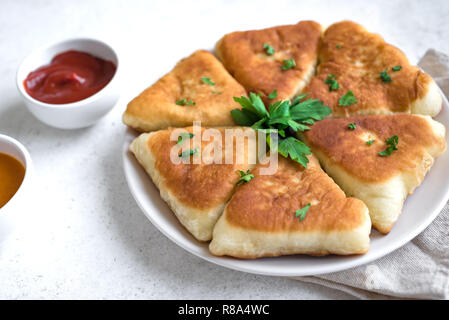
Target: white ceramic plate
420,209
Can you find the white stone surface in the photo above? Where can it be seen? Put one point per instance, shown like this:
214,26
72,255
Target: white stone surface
82,235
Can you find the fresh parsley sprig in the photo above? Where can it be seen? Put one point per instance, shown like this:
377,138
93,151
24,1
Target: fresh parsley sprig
244,176
268,49
301,213
273,94
295,115
208,81
332,83
385,76
352,126
288,64
189,152
183,136
392,143
347,99
184,102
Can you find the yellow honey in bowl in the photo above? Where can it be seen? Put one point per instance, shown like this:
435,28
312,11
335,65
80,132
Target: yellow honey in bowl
12,172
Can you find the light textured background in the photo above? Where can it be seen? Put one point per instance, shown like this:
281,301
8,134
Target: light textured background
81,235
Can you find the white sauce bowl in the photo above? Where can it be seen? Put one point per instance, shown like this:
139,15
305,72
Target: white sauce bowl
78,114
10,213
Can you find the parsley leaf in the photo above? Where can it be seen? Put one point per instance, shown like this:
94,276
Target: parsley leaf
244,117
294,148
184,136
280,113
370,142
208,81
392,143
268,49
299,98
309,110
301,213
217,92
254,104
396,68
288,64
184,102
333,84
352,126
348,99
282,117
189,152
393,140
273,95
338,46
385,76
244,176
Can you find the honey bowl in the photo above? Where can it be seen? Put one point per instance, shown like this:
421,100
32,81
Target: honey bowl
15,171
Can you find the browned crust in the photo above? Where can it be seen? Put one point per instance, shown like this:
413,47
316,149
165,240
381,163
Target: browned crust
357,66
243,56
201,186
156,108
348,148
268,202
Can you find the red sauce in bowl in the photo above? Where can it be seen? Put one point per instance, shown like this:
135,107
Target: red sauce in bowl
71,76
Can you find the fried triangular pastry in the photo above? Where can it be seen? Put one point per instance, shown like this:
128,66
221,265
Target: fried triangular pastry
358,153
194,184
379,75
261,218
246,55
198,89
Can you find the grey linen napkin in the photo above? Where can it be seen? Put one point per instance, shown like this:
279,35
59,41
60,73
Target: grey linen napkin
420,269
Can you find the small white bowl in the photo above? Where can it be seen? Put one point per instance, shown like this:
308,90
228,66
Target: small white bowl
78,114
15,149
13,212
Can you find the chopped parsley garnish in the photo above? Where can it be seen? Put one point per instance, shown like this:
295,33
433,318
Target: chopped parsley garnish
338,46
217,92
301,213
347,100
184,136
333,84
288,64
273,95
295,149
352,126
184,102
268,49
370,142
208,81
189,152
385,76
392,143
244,177
283,116
396,68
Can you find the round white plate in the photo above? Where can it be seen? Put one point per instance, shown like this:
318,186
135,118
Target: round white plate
420,209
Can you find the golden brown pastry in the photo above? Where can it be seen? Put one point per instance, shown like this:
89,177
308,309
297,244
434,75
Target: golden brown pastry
352,159
355,59
260,219
244,56
185,95
197,193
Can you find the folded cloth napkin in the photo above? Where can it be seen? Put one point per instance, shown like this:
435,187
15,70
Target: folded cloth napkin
420,269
